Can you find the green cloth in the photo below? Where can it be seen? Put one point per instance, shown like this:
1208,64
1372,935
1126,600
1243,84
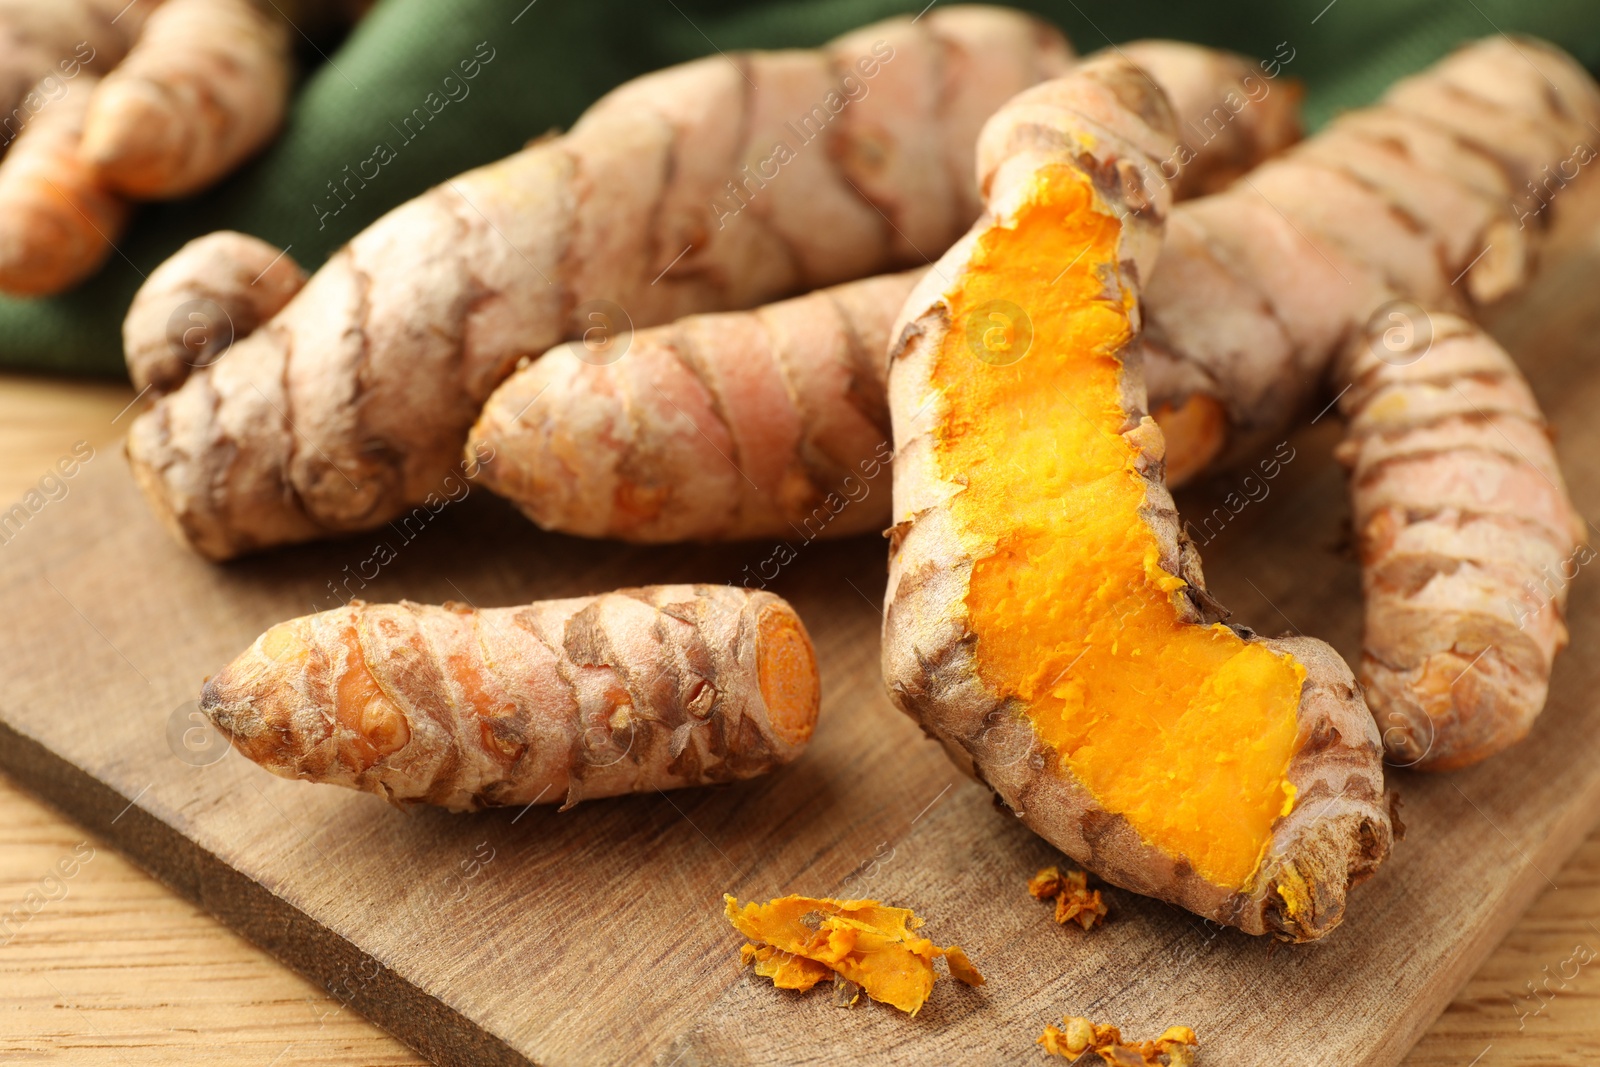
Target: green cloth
548,60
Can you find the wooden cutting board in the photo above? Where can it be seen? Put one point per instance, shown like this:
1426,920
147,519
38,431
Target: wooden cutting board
596,936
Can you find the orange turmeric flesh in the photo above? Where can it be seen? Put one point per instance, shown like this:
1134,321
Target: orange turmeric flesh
1183,729
862,941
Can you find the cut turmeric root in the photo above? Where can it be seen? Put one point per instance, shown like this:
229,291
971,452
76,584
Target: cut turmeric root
774,422
763,424
1046,620
562,700
804,939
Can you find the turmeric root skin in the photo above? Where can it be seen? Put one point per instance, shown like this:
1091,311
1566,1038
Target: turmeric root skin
1229,116
563,700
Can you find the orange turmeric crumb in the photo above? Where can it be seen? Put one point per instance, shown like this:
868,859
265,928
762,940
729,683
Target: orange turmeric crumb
1074,899
1080,1035
799,940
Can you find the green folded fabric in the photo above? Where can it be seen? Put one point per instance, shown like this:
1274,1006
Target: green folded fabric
381,101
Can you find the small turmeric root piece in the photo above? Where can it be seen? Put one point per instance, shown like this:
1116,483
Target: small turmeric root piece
1075,901
803,939
205,86
213,291
562,700
1468,540
1176,1044
1046,620
58,223
774,422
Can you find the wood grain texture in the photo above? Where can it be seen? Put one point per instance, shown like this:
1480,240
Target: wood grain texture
595,936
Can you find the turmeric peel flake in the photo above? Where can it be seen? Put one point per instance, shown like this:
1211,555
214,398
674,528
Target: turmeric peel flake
1174,1048
797,941
1075,901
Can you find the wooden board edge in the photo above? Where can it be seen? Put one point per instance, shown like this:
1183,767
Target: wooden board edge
1520,894
433,1030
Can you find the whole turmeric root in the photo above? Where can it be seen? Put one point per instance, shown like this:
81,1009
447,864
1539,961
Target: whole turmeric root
710,185
763,423
57,222
204,87
1467,537
1435,195
562,700
774,422
1046,620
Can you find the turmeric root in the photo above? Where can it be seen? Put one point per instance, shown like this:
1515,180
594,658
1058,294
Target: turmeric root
204,87
57,39
1230,114
201,84
803,939
1435,195
57,222
562,700
698,188
1176,1044
1074,900
213,289
1046,620
774,422
745,424
1467,537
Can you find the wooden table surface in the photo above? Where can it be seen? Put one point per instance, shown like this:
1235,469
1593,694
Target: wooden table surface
112,968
